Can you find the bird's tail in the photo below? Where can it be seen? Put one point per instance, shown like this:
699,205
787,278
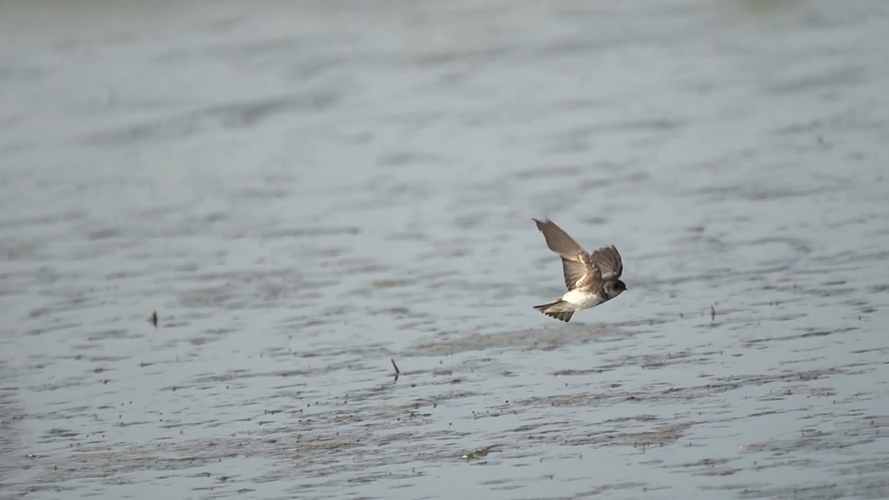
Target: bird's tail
559,309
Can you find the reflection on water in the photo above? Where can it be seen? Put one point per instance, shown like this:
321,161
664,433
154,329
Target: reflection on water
306,192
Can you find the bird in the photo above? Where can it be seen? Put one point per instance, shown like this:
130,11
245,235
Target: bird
591,278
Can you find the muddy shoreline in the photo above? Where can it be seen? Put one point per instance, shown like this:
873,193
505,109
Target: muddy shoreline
306,192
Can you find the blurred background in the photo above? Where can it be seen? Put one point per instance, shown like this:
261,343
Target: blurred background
306,191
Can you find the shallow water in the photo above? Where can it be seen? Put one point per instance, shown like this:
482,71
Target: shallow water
306,192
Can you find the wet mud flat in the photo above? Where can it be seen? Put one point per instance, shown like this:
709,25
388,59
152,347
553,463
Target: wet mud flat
304,193
619,424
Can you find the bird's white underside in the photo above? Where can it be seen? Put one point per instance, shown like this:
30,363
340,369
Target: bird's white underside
581,299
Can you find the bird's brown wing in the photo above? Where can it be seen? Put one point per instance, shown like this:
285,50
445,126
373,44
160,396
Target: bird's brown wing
580,272
558,240
608,261
577,264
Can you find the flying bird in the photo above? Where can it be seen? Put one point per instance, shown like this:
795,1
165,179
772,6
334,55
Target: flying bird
591,278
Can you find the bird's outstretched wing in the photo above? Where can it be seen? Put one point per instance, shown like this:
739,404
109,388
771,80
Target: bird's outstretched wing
558,240
577,265
607,260
581,273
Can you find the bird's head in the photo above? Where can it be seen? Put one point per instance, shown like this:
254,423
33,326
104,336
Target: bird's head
614,288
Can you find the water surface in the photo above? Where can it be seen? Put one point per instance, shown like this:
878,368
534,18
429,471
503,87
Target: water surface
304,192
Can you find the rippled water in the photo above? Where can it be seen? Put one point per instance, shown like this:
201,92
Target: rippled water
306,191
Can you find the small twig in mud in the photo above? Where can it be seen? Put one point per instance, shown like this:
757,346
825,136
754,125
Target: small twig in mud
712,312
479,453
153,318
397,371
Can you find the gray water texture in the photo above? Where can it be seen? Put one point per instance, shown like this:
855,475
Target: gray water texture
306,192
